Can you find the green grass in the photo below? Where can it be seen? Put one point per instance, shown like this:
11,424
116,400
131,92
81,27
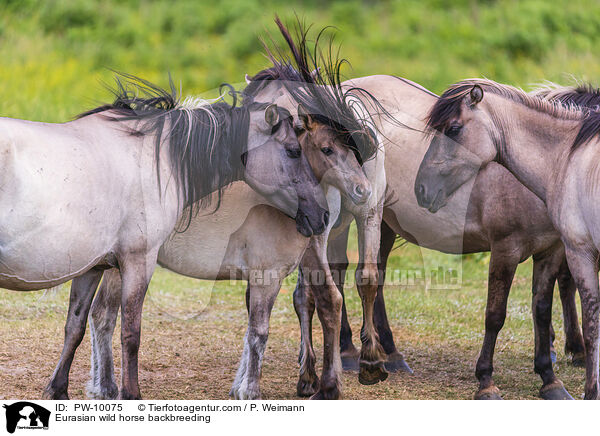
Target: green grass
54,53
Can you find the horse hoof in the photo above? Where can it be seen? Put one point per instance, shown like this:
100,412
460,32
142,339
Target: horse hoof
371,374
578,360
306,388
555,391
330,394
110,392
553,356
491,393
396,363
125,395
350,364
51,394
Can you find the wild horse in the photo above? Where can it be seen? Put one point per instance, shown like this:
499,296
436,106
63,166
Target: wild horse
552,149
322,86
124,173
493,212
244,235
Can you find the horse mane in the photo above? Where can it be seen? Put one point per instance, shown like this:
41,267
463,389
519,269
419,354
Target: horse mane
206,141
584,96
546,101
313,80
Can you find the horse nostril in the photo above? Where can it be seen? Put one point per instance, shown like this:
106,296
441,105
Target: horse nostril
421,191
326,218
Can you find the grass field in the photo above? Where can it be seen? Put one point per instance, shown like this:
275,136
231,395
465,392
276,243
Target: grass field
54,56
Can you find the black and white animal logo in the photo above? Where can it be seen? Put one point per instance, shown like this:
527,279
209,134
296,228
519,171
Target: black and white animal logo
26,415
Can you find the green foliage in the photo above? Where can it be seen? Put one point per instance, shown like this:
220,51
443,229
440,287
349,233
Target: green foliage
56,52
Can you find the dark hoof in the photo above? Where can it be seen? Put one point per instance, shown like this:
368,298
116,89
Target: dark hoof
396,363
330,394
306,388
555,391
578,360
125,395
553,356
350,364
52,394
491,393
371,374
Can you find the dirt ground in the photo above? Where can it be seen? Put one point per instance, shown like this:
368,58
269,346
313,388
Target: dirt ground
195,357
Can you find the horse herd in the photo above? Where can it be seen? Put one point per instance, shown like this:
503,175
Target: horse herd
283,171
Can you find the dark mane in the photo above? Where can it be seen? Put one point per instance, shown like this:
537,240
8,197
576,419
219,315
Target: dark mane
448,106
583,95
261,79
205,142
313,80
586,97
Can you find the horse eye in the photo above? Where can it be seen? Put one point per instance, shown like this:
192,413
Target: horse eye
327,150
275,128
293,153
453,130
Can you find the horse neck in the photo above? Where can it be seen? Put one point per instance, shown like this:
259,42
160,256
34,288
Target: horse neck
532,145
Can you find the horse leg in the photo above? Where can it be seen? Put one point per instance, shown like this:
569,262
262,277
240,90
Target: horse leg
372,355
553,355
243,366
395,361
583,265
136,272
328,300
102,320
338,264
545,272
247,383
503,264
82,292
304,304
574,346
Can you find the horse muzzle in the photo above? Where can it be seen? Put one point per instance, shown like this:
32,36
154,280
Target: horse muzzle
312,224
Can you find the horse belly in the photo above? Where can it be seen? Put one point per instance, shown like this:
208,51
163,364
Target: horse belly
57,220
32,264
243,235
200,250
41,250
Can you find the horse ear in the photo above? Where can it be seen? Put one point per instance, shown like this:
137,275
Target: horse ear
272,115
247,78
476,95
304,117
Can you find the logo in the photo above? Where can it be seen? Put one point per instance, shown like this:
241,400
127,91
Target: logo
26,415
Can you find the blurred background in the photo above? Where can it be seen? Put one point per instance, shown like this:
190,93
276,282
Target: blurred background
54,52
54,56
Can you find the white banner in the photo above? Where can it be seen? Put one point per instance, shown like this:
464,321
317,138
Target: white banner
294,417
